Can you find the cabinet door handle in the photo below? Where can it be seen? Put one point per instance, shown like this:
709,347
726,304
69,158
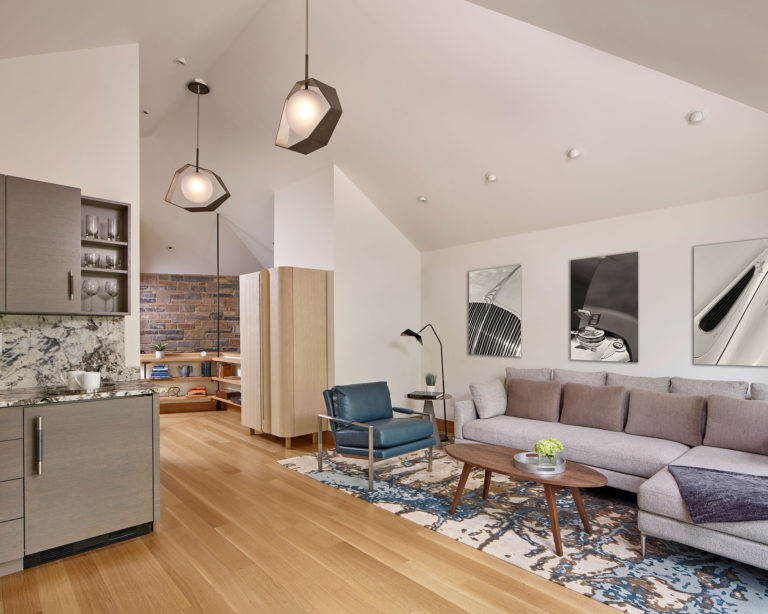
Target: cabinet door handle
71,286
39,445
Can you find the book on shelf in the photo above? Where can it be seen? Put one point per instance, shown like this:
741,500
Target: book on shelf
424,395
197,391
159,372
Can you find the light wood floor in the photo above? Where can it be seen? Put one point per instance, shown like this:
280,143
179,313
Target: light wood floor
239,533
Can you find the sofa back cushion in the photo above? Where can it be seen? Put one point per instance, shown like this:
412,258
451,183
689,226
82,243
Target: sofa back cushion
676,417
590,378
737,425
539,375
759,392
362,402
657,384
704,388
535,400
601,407
490,398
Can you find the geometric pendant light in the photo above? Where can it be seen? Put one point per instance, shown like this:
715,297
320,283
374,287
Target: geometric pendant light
311,110
193,187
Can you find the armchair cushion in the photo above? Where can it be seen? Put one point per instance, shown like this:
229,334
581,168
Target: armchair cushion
362,402
387,433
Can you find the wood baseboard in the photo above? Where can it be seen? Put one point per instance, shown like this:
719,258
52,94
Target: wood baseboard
183,407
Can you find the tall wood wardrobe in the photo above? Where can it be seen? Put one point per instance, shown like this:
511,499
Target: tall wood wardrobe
286,349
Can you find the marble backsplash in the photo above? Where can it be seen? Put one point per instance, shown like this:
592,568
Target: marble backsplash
39,350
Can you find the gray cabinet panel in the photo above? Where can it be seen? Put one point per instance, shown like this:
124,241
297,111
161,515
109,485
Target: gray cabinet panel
42,247
97,472
11,540
10,423
2,242
11,459
11,500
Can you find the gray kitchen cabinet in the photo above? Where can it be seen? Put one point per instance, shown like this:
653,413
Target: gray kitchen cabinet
42,247
95,473
2,243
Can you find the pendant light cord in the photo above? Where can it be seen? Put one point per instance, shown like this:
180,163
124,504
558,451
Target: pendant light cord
306,46
197,137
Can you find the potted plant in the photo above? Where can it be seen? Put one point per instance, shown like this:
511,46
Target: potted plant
431,379
548,449
160,349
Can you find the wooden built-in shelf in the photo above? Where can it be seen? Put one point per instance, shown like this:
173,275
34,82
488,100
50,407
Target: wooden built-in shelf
186,399
228,380
184,357
228,358
226,401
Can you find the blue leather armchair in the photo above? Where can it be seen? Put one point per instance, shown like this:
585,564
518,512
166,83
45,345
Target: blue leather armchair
363,424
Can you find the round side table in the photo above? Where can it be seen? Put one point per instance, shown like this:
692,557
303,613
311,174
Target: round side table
430,409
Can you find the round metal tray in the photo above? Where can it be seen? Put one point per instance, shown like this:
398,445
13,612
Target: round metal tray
529,461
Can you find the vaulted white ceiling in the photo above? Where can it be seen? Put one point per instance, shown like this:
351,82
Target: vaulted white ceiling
437,92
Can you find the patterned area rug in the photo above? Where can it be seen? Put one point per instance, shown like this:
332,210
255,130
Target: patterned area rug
513,525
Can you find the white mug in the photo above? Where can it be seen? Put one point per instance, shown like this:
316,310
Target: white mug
75,380
83,380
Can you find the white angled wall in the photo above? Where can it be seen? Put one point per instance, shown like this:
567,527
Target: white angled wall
325,222
73,118
664,240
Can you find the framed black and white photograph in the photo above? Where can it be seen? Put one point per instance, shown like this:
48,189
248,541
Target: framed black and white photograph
730,295
604,297
495,311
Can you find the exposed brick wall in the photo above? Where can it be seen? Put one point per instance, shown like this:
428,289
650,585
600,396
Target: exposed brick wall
181,310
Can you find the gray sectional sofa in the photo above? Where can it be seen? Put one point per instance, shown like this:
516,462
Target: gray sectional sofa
631,429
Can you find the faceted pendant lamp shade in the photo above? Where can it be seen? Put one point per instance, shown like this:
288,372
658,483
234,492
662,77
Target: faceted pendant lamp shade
191,192
308,124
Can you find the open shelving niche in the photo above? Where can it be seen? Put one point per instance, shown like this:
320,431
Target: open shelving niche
195,360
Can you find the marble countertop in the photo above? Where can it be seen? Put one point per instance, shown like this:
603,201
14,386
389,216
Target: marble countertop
59,394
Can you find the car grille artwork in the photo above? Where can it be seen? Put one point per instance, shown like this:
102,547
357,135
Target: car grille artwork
494,324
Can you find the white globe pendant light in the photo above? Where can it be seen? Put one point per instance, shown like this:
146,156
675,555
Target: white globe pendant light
311,111
193,185
196,187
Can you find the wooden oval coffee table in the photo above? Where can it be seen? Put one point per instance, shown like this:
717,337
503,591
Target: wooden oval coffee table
498,459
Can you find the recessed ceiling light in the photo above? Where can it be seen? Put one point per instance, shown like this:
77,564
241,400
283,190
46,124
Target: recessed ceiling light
490,177
180,61
573,153
695,117
422,199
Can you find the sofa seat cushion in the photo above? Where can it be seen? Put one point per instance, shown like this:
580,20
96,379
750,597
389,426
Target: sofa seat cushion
589,378
386,433
704,387
620,452
657,384
538,375
660,495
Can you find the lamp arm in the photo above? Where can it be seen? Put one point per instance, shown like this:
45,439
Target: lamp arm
442,377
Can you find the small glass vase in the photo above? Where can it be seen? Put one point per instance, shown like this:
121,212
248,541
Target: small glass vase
549,460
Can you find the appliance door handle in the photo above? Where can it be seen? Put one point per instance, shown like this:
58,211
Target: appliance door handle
39,445
71,280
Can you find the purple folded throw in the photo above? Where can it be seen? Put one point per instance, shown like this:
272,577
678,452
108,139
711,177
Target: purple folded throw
722,496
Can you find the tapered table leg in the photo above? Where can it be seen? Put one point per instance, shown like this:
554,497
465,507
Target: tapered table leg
549,491
460,488
580,506
486,484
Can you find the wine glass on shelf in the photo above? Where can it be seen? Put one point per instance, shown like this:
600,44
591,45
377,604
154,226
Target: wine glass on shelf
110,287
92,226
111,228
91,289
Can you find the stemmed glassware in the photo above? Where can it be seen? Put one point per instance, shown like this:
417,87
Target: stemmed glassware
90,288
111,288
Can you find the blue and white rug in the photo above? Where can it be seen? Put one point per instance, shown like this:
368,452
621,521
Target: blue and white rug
513,525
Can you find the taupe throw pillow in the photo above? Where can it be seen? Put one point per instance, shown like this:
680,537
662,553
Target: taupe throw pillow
490,398
737,425
676,417
600,407
535,400
759,392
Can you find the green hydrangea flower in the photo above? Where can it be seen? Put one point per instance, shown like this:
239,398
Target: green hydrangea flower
548,447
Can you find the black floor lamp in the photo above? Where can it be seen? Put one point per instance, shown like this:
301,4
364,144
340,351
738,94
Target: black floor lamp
409,333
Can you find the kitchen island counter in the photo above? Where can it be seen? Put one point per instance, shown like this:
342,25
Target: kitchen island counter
60,394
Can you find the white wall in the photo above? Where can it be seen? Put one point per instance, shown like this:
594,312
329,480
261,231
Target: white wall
325,222
72,118
664,240
304,222
377,295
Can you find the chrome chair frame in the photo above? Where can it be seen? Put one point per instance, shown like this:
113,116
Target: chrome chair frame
370,427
